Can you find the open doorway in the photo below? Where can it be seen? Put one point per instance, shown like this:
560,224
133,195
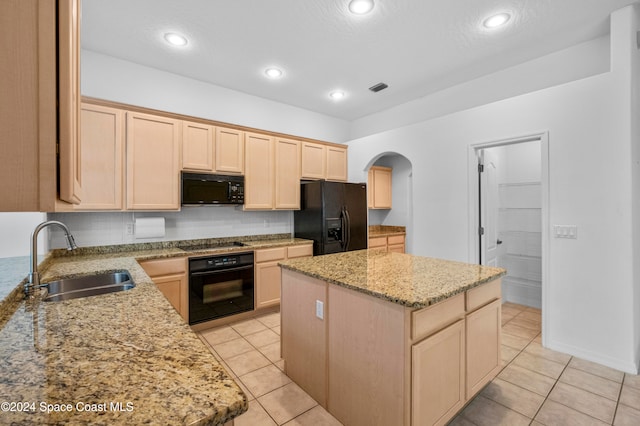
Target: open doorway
510,217
401,213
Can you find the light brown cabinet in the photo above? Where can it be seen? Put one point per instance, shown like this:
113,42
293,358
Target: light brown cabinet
319,161
391,243
153,154
336,163
259,172
287,174
39,100
197,146
268,275
272,173
379,184
102,157
384,363
438,386
70,172
170,276
229,151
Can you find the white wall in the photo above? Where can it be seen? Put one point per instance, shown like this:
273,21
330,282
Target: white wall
113,79
580,61
16,229
94,229
587,308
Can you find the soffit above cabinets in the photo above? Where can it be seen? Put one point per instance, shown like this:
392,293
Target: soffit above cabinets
416,47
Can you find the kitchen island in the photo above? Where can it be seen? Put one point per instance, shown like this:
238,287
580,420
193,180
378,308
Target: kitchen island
389,338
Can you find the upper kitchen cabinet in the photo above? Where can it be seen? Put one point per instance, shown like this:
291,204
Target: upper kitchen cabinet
197,146
314,160
29,116
259,172
102,157
70,173
272,173
229,155
287,174
380,187
337,163
320,161
153,162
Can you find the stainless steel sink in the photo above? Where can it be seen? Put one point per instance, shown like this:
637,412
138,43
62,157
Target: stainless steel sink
88,285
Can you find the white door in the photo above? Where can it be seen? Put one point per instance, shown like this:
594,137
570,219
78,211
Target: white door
489,242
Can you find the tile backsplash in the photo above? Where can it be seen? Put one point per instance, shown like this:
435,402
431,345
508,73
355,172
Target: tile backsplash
94,229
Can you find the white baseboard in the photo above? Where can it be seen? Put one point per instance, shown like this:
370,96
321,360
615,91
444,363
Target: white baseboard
522,292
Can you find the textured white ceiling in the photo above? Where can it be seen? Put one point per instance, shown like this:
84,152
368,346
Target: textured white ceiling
417,47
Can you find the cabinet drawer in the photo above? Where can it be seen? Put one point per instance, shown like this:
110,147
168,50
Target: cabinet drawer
434,318
271,254
395,239
483,294
300,251
377,242
160,267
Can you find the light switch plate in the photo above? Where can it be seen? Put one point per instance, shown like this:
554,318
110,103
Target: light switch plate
319,309
565,231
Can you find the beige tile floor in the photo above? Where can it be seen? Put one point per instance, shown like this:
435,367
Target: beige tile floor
536,386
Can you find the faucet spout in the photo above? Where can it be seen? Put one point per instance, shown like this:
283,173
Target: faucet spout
34,276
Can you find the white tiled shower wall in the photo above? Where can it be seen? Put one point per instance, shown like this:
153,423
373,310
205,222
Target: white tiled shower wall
94,229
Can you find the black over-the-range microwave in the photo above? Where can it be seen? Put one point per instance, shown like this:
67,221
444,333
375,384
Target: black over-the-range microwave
200,189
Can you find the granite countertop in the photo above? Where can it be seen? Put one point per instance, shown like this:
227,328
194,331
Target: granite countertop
383,230
408,280
129,350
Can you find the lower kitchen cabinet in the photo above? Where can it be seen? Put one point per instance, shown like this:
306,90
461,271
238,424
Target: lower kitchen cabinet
392,243
483,346
438,386
170,276
268,275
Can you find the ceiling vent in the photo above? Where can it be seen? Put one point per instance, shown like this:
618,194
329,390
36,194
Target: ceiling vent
378,87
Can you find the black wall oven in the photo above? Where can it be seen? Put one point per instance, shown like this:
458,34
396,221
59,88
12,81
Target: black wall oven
220,285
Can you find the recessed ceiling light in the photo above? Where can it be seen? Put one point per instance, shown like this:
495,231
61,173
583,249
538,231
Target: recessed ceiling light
496,20
175,39
273,72
336,95
360,7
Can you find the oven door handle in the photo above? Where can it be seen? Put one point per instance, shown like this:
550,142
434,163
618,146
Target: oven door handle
220,271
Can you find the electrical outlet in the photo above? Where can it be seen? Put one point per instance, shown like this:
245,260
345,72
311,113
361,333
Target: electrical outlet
129,230
320,309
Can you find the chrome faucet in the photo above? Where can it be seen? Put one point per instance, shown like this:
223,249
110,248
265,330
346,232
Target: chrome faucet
34,277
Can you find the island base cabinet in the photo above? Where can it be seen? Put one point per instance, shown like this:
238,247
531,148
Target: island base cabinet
366,359
483,346
438,386
303,341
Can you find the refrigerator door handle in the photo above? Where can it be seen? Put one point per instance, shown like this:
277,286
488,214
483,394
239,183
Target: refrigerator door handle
348,224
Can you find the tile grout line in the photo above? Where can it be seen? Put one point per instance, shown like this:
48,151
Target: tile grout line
615,412
255,398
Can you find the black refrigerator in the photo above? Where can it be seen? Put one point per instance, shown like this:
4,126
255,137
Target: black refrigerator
333,215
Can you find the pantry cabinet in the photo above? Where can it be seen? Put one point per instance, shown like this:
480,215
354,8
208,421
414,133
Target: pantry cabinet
229,151
153,154
170,276
102,157
197,146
